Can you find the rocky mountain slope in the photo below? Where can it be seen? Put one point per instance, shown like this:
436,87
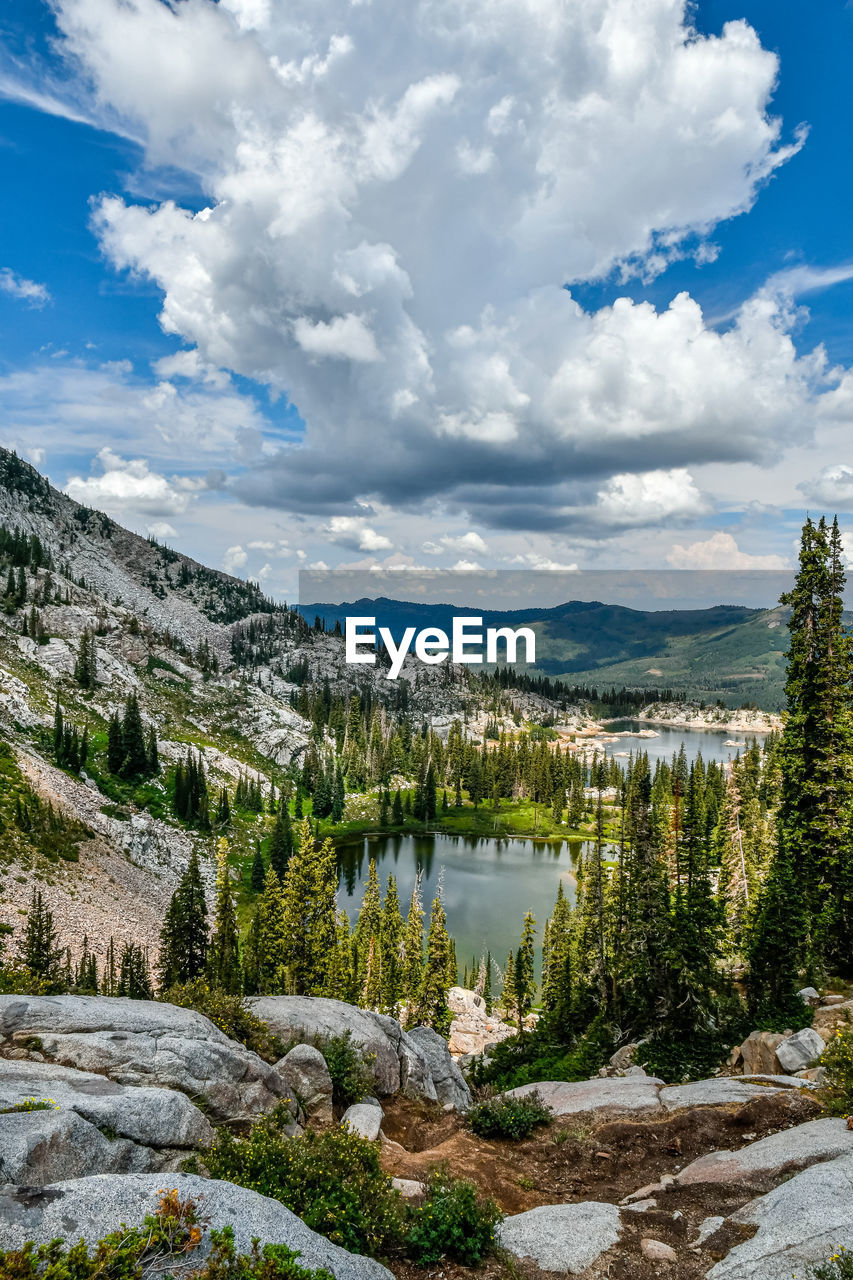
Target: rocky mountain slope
215,668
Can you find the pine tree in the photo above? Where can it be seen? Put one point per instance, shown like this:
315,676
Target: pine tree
487,984
281,842
397,810
368,926
134,979
270,942
223,959
391,932
258,869
135,762
86,666
310,913
431,1006
509,999
183,938
413,946
115,745
39,951
525,985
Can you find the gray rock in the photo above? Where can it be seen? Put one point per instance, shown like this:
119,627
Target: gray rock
604,1094
89,1208
623,1058
707,1227
363,1119
307,1017
722,1090
307,1076
415,1075
562,1237
800,1050
45,1146
780,1153
450,1084
799,1224
809,995
642,1206
409,1188
145,1042
159,1118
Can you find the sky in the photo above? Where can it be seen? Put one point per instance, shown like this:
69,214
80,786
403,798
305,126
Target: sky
457,283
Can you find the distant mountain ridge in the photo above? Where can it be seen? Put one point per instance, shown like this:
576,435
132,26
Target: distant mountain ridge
723,651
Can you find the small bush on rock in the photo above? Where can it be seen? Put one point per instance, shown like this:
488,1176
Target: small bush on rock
173,1232
453,1222
230,1014
349,1067
332,1180
839,1267
513,1118
837,1061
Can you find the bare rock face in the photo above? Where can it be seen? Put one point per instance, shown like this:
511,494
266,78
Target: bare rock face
797,1226
399,1063
472,1028
780,1153
307,1076
635,1094
152,1117
91,1208
566,1238
145,1042
363,1118
450,1084
38,1147
758,1052
799,1051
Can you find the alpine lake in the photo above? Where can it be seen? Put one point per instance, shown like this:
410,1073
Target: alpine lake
488,883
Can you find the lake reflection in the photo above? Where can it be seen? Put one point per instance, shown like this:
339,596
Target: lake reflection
489,883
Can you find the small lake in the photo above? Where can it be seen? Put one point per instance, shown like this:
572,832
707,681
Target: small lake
711,742
489,883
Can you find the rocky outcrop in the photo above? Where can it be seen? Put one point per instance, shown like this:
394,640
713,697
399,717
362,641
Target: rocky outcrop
646,1094
399,1063
307,1076
780,1153
473,1030
145,1042
800,1051
450,1085
90,1208
757,1054
566,1238
798,1225
37,1147
634,1094
149,1116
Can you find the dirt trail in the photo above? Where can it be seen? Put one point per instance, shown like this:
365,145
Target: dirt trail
602,1158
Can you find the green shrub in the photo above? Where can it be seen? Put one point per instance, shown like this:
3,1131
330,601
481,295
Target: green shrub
838,1267
349,1067
332,1180
30,1104
173,1232
453,1222
512,1118
230,1014
837,1061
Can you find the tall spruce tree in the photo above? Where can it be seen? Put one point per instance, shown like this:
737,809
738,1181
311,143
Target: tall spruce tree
431,1006
223,957
184,936
39,951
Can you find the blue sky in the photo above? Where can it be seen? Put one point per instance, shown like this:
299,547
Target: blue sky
395,275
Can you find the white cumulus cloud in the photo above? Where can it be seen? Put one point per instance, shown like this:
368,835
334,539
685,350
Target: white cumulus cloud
720,551
29,291
386,240
128,486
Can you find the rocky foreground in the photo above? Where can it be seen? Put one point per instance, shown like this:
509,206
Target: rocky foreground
738,1177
